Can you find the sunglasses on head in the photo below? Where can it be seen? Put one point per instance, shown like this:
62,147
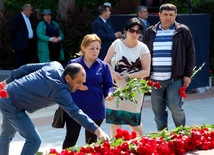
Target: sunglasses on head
137,31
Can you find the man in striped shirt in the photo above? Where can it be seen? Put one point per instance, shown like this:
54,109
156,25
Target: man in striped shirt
173,59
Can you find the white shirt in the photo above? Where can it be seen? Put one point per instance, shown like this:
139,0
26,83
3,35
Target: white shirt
29,28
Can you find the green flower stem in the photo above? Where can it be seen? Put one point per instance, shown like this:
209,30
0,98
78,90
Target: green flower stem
196,71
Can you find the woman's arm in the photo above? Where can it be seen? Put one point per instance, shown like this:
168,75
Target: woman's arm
107,59
145,64
40,32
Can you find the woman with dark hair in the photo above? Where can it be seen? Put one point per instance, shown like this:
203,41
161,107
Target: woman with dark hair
127,58
49,39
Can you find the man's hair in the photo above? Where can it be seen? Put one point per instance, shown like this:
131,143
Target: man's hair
168,7
25,7
73,69
132,22
101,9
140,9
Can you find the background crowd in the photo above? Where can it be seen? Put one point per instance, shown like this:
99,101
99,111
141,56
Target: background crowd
78,23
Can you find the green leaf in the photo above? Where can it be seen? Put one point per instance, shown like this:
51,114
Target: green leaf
133,94
117,142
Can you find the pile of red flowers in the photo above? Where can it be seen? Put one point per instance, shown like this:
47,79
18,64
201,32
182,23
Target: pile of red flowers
175,142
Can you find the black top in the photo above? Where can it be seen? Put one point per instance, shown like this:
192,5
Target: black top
52,31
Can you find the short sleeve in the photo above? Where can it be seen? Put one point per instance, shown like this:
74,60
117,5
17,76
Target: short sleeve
143,49
116,43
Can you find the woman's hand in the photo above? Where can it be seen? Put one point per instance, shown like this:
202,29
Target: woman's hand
127,76
109,97
117,76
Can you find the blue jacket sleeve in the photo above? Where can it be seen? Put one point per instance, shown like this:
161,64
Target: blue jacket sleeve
63,98
24,70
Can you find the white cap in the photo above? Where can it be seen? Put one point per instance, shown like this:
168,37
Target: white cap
107,4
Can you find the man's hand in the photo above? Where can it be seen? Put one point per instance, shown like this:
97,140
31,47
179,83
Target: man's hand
186,81
117,34
83,88
109,97
101,135
4,83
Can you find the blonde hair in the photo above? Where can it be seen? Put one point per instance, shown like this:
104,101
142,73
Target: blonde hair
86,42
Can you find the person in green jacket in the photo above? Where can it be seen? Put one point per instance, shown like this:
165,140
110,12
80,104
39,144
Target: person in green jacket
49,39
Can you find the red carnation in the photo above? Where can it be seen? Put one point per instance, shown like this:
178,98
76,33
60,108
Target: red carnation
103,149
133,135
3,94
119,130
182,92
97,148
107,145
53,151
90,150
125,146
125,133
118,135
157,85
84,150
127,137
150,83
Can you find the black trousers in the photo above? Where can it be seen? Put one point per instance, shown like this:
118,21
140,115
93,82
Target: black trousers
54,53
24,56
73,130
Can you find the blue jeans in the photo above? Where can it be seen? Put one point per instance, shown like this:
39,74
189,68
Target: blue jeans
16,120
168,96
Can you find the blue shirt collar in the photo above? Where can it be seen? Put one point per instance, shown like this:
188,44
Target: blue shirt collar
83,63
103,19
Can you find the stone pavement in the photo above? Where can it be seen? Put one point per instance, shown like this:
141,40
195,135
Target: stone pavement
198,109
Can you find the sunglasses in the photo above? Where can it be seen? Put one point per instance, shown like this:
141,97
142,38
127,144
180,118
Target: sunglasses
133,31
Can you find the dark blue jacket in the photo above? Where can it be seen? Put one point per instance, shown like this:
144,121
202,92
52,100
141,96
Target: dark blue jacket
106,35
19,33
35,86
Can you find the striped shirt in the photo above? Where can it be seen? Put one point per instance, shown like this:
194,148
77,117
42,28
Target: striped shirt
162,54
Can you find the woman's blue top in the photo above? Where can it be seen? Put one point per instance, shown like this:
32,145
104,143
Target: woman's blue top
99,83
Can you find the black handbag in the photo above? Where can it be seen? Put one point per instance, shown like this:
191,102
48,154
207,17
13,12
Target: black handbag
59,118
